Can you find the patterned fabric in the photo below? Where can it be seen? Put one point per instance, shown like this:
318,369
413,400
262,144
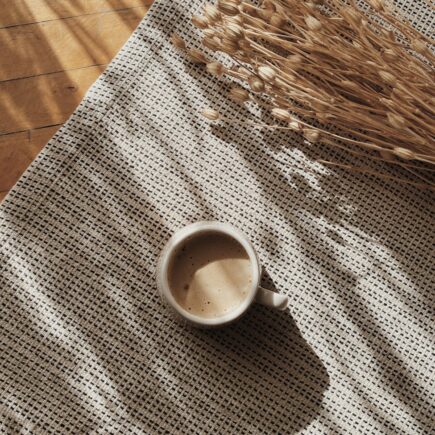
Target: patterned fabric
87,345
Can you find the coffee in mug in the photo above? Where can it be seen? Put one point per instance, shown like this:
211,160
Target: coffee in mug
210,274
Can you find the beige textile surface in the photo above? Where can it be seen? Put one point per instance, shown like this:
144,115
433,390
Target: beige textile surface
88,347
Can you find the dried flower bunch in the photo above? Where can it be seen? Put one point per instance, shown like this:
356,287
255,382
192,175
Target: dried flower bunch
359,80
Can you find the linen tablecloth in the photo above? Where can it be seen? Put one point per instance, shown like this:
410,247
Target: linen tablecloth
87,345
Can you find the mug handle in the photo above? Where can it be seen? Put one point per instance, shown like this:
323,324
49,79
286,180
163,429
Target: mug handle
271,299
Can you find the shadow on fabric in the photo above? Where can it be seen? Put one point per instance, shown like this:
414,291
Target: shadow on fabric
278,378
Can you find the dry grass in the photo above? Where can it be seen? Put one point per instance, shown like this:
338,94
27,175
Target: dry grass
360,80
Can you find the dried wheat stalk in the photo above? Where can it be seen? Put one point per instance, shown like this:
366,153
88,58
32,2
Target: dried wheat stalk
331,72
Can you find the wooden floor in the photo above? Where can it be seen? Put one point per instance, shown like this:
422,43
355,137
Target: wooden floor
51,51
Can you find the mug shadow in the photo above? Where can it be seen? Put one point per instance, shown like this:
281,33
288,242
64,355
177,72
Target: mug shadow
265,377
267,281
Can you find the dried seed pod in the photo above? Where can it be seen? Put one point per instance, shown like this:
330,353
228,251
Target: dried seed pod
313,23
349,85
419,46
211,43
244,71
311,134
396,120
281,114
267,73
215,68
277,20
268,4
256,84
419,140
377,5
209,33
228,7
196,55
212,13
234,32
295,125
389,55
200,21
294,60
236,19
387,77
404,153
389,34
178,42
265,14
211,114
239,95
228,46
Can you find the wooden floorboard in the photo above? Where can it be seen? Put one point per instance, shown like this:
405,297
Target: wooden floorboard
51,52
18,150
44,100
65,44
18,12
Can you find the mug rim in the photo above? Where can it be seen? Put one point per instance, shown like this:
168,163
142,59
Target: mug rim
196,229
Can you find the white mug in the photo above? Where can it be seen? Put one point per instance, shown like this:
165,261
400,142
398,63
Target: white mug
255,294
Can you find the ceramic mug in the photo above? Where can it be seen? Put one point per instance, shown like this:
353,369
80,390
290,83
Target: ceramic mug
255,294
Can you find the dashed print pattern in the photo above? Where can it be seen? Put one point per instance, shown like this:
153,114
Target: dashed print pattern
86,345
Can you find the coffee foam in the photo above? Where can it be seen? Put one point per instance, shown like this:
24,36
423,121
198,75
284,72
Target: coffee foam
210,275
